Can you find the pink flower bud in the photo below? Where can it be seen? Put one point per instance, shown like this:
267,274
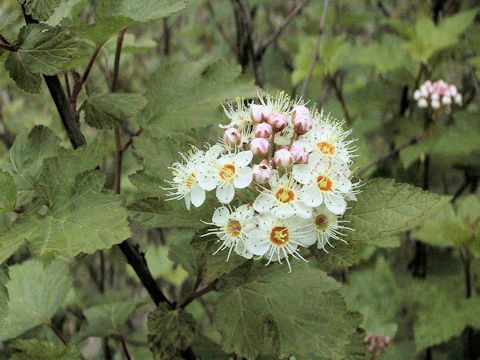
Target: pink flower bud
423,103
302,124
262,172
259,113
435,104
417,94
435,97
283,157
277,121
300,156
263,130
300,110
232,136
458,99
446,99
260,146
453,90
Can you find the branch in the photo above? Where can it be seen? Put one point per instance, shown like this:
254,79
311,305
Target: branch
339,93
315,51
124,347
58,333
11,48
116,64
273,38
194,295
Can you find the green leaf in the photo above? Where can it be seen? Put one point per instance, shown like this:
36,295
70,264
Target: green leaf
169,331
82,220
375,294
45,49
9,14
385,207
191,92
36,293
141,10
206,349
181,252
108,319
8,192
24,79
40,10
4,278
34,349
110,110
303,311
26,158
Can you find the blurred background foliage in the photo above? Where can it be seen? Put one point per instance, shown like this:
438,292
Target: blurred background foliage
419,287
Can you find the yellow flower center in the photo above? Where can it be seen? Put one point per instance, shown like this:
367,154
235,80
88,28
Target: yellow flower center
285,195
279,236
324,183
233,228
191,180
321,221
326,148
227,172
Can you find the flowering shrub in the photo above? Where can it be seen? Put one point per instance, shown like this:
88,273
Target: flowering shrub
437,94
281,173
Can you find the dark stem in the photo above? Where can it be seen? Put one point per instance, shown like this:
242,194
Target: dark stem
315,55
339,94
116,64
5,41
67,85
102,271
124,347
58,333
12,48
166,37
194,295
118,161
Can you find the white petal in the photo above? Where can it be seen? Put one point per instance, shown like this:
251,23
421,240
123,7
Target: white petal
256,242
342,153
243,158
244,212
306,239
343,184
197,195
214,152
241,249
187,201
225,193
207,179
336,204
283,211
243,178
264,202
311,196
303,210
301,173
220,216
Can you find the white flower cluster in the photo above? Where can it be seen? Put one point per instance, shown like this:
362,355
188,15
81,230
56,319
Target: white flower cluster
285,167
437,94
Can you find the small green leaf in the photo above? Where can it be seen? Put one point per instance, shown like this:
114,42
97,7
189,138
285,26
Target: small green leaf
8,192
302,311
4,278
110,110
36,293
141,10
34,349
169,331
385,207
40,9
24,79
181,252
191,92
45,49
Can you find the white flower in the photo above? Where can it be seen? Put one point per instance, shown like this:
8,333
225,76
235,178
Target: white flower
238,114
277,238
327,139
227,173
423,103
232,227
185,182
283,199
326,225
324,182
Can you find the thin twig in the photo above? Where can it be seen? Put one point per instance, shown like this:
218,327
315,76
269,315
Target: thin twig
67,85
5,41
11,48
58,334
118,161
273,38
116,65
339,94
315,55
194,295
124,347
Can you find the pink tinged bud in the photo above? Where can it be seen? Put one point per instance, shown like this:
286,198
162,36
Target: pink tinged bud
302,124
232,136
259,113
453,90
283,158
277,121
446,99
263,130
300,110
435,104
300,156
423,103
417,94
435,97
458,99
260,146
262,172
387,340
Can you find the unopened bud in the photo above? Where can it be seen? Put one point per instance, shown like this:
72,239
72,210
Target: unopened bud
283,157
277,121
446,99
263,130
423,103
262,172
300,110
259,113
232,136
302,124
260,146
300,156
436,104
458,99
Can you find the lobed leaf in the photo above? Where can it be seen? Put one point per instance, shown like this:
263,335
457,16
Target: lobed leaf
40,10
141,10
18,72
34,349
